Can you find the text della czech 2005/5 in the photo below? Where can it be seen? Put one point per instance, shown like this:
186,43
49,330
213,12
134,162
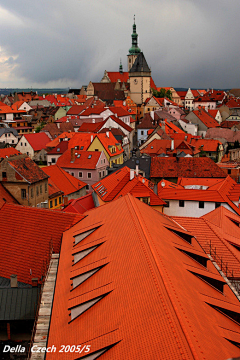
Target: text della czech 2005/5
50,349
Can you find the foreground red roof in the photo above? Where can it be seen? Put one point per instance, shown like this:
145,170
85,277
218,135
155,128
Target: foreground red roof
128,277
80,205
82,159
25,249
206,118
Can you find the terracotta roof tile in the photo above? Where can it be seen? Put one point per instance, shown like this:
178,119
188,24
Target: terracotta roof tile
38,141
7,152
185,167
80,205
82,159
144,279
205,118
64,181
25,249
27,168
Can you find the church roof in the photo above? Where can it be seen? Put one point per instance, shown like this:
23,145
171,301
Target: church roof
140,64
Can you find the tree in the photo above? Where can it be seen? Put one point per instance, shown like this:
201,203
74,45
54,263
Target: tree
163,93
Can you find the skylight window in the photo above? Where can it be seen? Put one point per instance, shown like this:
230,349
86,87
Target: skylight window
83,277
184,236
89,156
80,255
81,148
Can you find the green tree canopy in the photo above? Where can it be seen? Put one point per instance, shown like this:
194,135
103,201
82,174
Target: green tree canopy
163,93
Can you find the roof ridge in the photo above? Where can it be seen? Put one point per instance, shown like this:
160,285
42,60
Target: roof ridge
138,215
63,172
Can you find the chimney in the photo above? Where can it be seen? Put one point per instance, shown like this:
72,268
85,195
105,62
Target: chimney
65,200
91,138
131,174
172,144
107,133
136,170
34,282
72,155
13,281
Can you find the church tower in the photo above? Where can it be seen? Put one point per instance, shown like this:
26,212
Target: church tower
140,80
134,50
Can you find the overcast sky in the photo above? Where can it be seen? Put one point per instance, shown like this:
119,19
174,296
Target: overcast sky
67,43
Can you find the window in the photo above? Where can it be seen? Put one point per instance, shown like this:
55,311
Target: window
31,192
72,174
80,174
96,149
100,174
181,203
103,173
46,186
53,160
23,194
21,144
4,174
89,175
51,205
87,187
229,171
217,204
12,141
40,189
89,156
142,132
167,203
60,200
25,144
201,205
37,192
55,202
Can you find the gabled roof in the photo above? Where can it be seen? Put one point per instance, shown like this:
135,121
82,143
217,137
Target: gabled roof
59,149
185,167
218,230
82,159
146,123
53,190
82,140
206,144
64,181
119,111
108,140
125,269
96,110
5,109
91,127
206,118
65,136
25,249
119,184
120,123
38,141
80,205
7,152
226,191
26,168
76,109
140,64
114,76
6,197
53,130
157,146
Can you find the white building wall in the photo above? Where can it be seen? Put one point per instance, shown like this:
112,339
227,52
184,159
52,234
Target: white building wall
9,138
24,147
191,208
189,128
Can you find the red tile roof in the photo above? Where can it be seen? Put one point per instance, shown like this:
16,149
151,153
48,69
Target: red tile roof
185,167
27,168
6,197
80,205
119,184
96,110
37,141
82,159
108,141
144,276
65,136
206,144
226,191
206,118
120,123
119,111
5,109
91,127
59,149
53,190
25,249
7,152
82,140
156,147
219,230
64,181
76,110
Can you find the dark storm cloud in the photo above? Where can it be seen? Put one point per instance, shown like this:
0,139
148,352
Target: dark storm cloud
186,43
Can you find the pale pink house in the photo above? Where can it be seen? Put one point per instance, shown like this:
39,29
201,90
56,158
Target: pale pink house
87,166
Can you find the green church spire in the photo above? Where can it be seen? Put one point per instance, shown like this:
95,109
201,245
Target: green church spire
134,50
